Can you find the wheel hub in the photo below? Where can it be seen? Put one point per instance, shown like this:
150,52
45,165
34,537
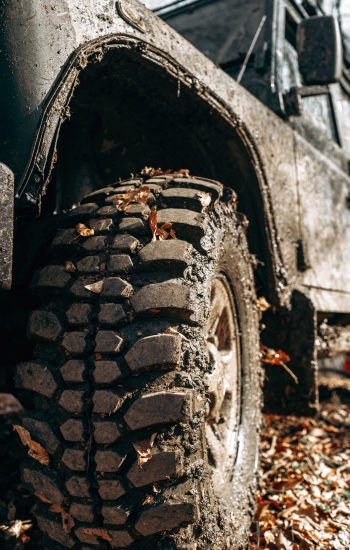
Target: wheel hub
223,417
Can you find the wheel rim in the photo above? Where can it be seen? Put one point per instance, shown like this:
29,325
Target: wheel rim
223,416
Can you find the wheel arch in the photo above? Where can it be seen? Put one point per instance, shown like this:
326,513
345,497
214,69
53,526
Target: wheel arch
123,103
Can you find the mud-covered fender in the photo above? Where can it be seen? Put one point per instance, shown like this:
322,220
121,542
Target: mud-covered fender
46,46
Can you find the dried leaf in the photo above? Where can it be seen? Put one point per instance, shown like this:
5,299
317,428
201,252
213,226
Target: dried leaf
35,450
171,330
204,198
151,172
144,449
269,537
305,481
96,288
139,195
16,529
263,304
283,542
276,357
183,172
25,538
43,499
153,223
83,230
101,533
70,267
67,520
163,232
166,226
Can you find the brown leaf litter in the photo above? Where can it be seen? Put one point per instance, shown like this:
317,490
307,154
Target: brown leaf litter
304,499
152,172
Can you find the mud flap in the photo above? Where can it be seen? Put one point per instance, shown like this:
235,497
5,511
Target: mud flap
295,332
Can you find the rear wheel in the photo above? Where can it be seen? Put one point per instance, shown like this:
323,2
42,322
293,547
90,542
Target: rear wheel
145,375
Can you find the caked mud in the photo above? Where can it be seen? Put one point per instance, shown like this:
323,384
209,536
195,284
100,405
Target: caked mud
116,392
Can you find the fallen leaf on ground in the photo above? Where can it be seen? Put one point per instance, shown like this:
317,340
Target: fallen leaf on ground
83,230
96,288
35,450
101,533
298,508
233,199
144,449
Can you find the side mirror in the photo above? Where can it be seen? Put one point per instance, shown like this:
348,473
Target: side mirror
320,52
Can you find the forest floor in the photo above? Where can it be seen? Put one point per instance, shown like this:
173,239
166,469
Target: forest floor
303,501
304,497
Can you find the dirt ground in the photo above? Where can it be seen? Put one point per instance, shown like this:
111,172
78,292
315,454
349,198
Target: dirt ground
304,498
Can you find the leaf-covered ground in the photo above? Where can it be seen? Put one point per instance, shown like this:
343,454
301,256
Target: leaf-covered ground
304,499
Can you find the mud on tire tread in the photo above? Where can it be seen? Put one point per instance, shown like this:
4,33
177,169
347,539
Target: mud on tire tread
116,367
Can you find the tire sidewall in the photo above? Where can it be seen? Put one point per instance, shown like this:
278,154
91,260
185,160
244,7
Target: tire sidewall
234,262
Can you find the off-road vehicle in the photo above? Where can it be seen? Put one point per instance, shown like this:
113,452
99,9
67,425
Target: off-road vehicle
160,199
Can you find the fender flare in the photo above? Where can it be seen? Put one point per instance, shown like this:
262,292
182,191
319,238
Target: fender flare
37,173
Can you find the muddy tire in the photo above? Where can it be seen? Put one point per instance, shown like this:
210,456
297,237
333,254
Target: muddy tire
145,374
